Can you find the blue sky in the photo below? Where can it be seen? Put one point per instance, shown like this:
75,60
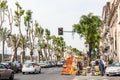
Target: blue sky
52,14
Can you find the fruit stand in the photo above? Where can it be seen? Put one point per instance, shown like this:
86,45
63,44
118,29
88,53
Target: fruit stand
70,66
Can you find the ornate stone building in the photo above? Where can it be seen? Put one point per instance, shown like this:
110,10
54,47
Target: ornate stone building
110,32
105,41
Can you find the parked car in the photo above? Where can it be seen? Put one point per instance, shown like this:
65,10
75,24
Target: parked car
10,65
6,73
42,64
31,67
52,63
60,63
114,69
19,65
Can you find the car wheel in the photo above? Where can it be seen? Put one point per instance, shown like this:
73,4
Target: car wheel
0,77
107,74
40,71
11,77
23,72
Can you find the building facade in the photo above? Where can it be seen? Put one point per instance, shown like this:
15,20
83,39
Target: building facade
110,32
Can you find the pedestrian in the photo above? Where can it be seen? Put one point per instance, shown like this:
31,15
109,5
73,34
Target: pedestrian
79,67
97,69
102,67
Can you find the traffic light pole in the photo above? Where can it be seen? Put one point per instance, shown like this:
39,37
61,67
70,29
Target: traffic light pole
68,31
60,31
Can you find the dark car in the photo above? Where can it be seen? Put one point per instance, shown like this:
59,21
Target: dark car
6,73
19,65
10,65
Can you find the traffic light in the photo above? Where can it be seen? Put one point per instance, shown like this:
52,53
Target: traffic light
60,31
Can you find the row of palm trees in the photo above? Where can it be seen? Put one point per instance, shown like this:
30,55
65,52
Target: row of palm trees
30,35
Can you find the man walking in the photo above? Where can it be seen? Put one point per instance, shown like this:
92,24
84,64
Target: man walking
102,68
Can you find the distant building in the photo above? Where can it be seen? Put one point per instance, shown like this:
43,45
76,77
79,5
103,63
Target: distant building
7,57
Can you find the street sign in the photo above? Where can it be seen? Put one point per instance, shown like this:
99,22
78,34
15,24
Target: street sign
92,51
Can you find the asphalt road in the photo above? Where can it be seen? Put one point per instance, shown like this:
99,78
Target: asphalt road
54,74
46,74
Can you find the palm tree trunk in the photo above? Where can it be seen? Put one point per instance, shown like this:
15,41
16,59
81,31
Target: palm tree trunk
48,50
14,54
22,56
49,54
45,54
31,55
3,43
39,52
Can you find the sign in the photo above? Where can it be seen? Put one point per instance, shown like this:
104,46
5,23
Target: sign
92,51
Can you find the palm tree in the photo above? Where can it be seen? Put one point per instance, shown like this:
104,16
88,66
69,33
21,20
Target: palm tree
39,33
77,52
3,36
3,31
47,35
30,31
14,40
17,18
44,47
23,45
62,46
13,45
3,9
59,46
88,27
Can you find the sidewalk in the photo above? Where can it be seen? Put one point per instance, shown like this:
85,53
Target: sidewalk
89,77
92,78
99,77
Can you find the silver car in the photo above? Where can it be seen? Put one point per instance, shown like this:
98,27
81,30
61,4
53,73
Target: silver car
6,73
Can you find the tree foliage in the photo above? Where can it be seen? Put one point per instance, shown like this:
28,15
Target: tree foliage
88,27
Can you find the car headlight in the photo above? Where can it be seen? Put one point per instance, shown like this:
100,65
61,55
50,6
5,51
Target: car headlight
107,70
118,70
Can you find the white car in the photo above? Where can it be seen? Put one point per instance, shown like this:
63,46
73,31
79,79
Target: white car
114,69
31,67
42,64
60,63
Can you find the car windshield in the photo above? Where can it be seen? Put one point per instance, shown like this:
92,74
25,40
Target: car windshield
28,64
42,63
5,63
116,64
